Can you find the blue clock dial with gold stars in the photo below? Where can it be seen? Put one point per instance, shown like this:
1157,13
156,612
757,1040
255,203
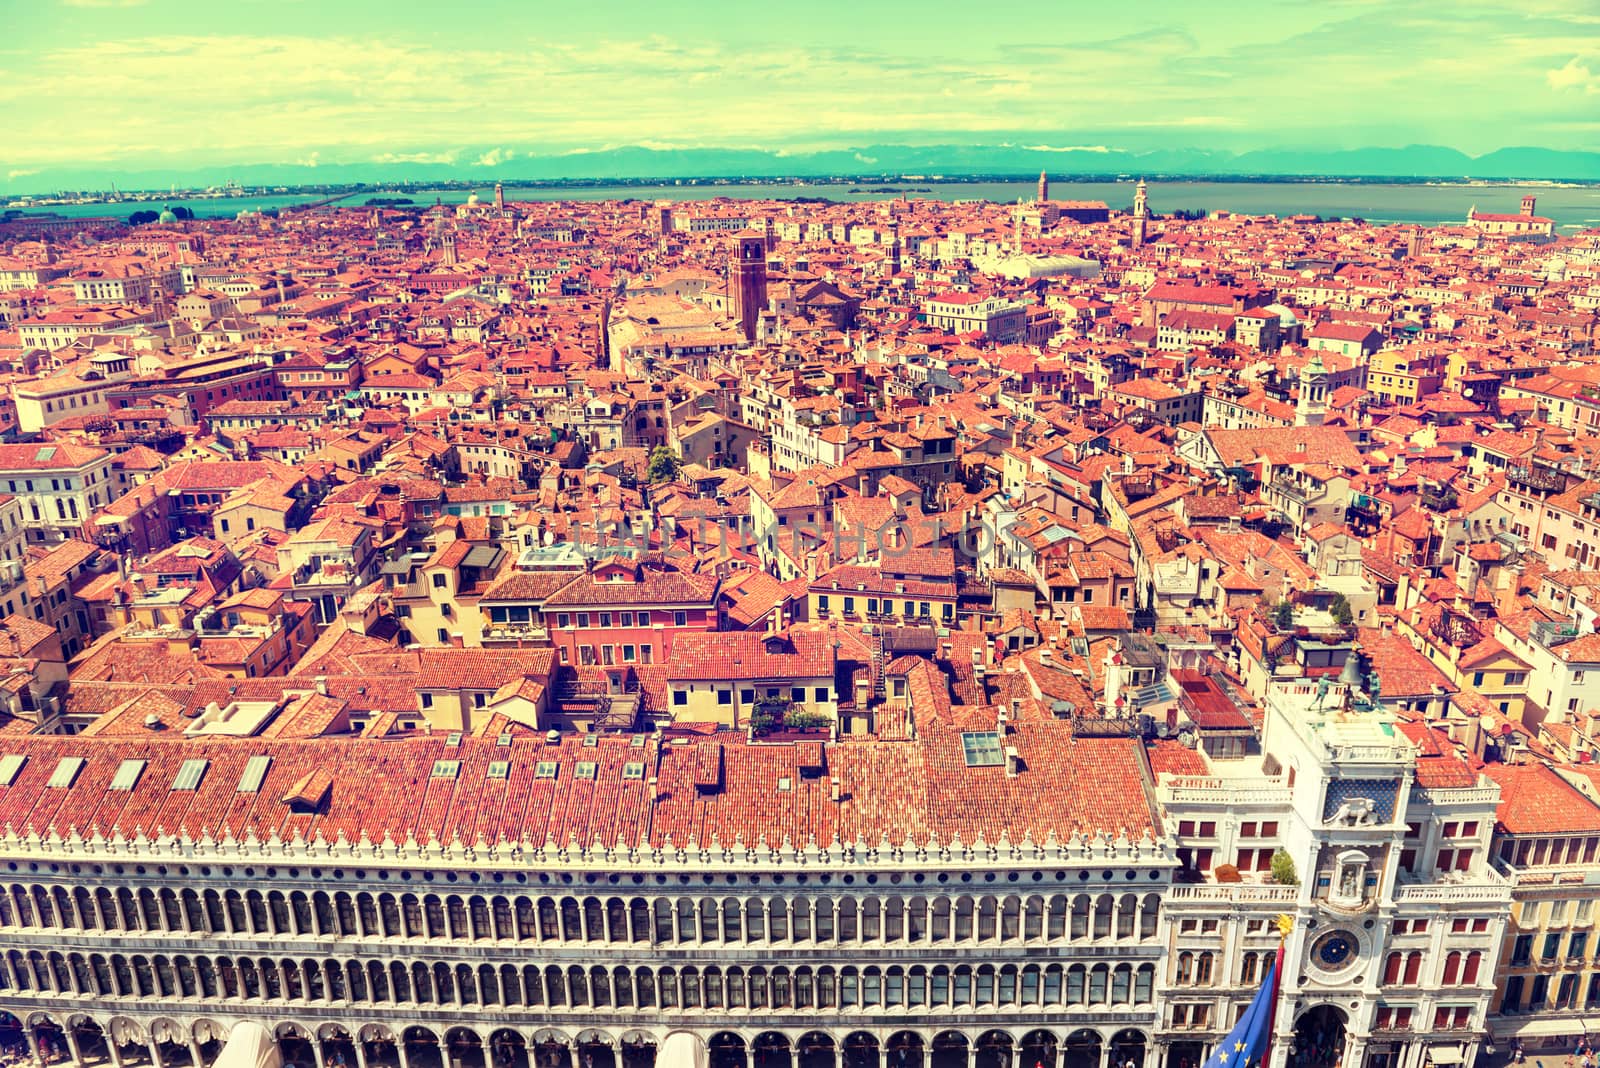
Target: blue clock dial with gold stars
1335,950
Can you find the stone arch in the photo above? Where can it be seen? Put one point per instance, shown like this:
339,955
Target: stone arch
949,1050
771,1049
90,1037
816,1049
552,1048
422,1049
637,1049
725,1049
172,1040
860,1050
595,1049
904,1049
49,1037
294,1046
1038,1049
508,1049
338,1046
379,1044
1319,1037
464,1047
1081,1049
130,1039
995,1049
1128,1048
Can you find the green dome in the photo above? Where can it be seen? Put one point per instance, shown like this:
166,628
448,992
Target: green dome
166,216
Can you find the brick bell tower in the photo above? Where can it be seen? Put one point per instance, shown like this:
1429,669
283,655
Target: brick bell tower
747,281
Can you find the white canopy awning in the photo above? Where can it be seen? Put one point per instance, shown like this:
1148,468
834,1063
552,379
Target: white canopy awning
679,1050
249,1046
1451,1054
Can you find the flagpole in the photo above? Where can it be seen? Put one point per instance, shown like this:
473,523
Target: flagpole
1285,925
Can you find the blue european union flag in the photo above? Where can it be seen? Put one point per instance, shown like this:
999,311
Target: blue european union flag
1246,1045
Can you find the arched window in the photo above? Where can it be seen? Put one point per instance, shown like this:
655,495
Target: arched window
344,910
1469,973
378,981
1452,968
1149,916
1122,984
1144,984
478,912
778,920
1077,986
964,913
1097,984
1080,917
1033,919
988,910
421,984
823,927
1102,916
549,920
1413,968
1185,972
1011,919
689,988
1202,969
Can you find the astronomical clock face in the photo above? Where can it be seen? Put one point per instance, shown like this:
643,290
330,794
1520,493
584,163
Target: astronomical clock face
1335,951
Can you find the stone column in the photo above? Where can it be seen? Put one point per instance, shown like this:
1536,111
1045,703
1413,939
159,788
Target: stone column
33,1044
113,1050
316,1051
155,1052
361,1053
194,1052
73,1049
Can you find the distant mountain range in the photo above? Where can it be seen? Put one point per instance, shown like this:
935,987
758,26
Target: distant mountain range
633,163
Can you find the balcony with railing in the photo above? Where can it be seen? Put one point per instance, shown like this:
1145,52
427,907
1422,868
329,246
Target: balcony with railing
1536,478
1552,632
1455,629
1439,499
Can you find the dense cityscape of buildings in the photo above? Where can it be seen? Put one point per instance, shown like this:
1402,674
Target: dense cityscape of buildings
740,634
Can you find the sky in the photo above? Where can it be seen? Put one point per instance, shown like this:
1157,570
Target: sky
473,83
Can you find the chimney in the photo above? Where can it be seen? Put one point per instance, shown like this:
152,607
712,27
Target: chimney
1013,762
835,790
322,685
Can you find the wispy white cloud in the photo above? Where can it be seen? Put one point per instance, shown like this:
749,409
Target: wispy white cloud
445,158
405,95
1574,75
494,157
21,172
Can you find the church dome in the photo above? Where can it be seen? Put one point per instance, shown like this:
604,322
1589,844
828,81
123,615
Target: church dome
166,216
472,200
